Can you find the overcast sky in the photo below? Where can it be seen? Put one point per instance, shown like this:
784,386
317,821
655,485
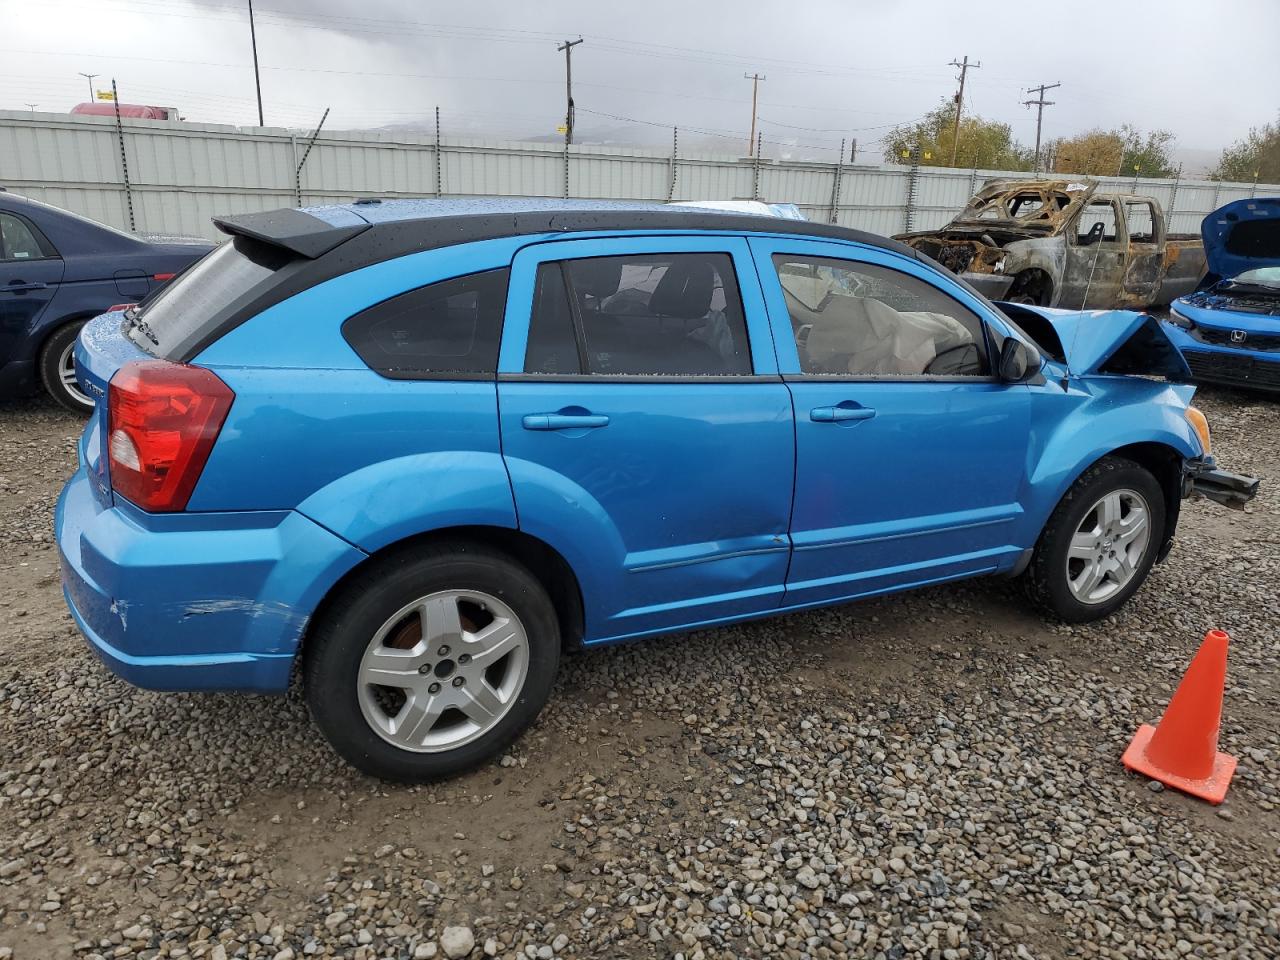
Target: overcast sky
833,69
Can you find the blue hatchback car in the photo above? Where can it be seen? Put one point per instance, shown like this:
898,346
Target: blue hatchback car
1229,332
423,447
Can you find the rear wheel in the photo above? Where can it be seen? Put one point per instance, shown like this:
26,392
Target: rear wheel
58,369
1099,544
429,663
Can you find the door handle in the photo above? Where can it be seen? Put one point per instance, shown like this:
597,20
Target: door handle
564,421
19,286
840,414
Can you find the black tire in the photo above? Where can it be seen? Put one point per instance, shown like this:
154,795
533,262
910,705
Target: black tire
1031,288
338,641
1046,579
51,359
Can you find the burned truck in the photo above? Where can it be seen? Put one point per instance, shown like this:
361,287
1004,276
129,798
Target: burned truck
1061,243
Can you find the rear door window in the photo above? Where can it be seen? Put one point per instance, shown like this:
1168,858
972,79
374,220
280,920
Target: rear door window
179,316
18,241
674,314
446,330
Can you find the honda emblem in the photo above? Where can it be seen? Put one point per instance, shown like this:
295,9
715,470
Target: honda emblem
1239,336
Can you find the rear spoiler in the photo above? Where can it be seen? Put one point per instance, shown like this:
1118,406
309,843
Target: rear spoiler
297,231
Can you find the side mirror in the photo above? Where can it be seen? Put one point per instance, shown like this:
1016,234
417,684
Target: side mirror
1017,361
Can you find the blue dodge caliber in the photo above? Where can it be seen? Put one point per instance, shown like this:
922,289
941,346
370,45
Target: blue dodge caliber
423,447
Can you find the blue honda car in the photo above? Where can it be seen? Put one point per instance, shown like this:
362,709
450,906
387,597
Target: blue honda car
420,448
1229,331
58,270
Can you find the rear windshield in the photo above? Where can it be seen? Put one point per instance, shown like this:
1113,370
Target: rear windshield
179,315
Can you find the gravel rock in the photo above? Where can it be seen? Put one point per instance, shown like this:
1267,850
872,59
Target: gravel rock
930,775
457,942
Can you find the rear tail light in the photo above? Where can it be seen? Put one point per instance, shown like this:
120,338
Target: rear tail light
162,277
120,306
163,419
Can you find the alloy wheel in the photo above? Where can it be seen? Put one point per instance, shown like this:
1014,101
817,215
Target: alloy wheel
443,671
1109,545
67,375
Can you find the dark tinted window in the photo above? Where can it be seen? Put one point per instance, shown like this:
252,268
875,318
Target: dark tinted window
670,314
451,327
858,319
553,348
180,314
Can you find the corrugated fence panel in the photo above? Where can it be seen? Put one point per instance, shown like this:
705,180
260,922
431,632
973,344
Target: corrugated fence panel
182,174
713,180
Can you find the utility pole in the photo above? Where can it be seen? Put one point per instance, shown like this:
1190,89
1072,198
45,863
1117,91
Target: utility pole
257,80
965,67
567,47
1039,103
89,77
853,150
755,79
32,108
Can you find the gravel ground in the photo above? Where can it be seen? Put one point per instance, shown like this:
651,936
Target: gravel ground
934,774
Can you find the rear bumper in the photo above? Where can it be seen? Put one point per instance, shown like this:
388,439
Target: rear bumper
214,601
1202,477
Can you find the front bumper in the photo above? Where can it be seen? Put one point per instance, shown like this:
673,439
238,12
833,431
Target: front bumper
1210,363
1202,477
212,601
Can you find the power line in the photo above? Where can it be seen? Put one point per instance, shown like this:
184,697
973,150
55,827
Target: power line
964,70
1039,103
755,79
257,80
567,47
89,77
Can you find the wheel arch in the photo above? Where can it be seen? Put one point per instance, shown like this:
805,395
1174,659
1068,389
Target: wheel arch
546,564
1033,281
1163,461
51,327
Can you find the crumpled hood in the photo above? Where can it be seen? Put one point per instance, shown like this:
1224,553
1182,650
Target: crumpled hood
1099,342
1243,235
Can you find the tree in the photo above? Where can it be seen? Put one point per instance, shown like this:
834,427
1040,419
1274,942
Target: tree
983,143
1257,155
1122,152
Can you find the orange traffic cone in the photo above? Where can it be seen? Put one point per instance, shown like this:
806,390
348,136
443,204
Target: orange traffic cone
1182,750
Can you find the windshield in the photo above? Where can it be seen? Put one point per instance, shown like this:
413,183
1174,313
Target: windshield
1261,277
179,315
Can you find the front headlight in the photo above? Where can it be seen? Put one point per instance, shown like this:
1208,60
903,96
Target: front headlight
1178,320
1200,424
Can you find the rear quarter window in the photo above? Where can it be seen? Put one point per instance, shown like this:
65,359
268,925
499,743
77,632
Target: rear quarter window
446,330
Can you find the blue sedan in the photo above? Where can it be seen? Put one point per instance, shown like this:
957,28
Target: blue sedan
58,270
420,448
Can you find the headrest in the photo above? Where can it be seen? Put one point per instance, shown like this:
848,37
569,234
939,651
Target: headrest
598,278
685,290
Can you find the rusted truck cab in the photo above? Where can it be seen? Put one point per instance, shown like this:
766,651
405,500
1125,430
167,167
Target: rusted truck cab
1061,243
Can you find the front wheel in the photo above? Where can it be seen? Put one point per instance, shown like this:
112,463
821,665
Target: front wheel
1099,544
58,369
429,663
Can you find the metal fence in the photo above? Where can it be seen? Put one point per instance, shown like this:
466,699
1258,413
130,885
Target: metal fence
181,174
